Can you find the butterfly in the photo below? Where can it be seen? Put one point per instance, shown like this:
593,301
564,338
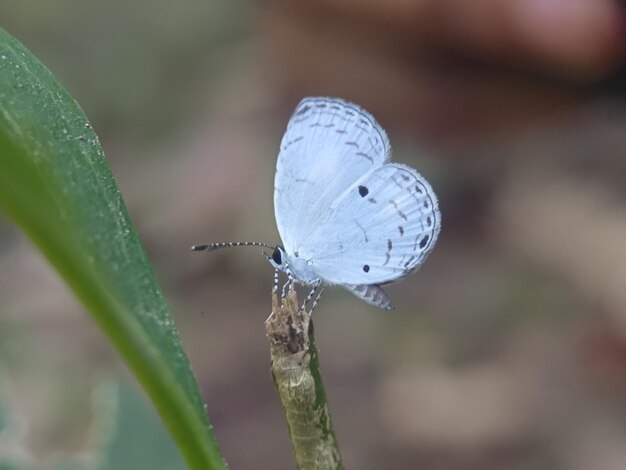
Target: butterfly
346,215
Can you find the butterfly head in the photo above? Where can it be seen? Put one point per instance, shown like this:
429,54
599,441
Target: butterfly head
278,258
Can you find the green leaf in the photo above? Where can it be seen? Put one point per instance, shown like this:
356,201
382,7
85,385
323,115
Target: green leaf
56,184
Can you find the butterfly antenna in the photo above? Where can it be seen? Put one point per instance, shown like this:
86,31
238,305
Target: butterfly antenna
217,246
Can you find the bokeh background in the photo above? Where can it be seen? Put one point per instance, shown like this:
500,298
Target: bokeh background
507,349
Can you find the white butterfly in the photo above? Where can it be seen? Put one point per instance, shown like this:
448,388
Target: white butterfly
345,214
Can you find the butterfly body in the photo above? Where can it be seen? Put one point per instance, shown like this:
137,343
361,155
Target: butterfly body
302,269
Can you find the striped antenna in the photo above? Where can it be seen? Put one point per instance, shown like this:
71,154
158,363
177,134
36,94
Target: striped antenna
217,246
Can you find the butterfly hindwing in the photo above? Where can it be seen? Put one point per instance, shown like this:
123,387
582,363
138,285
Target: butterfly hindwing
382,228
329,144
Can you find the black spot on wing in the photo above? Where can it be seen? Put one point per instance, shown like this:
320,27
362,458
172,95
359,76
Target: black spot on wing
303,180
421,241
303,110
293,141
363,191
388,253
400,213
417,197
366,268
364,155
401,230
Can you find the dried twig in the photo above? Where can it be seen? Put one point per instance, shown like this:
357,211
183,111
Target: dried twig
295,370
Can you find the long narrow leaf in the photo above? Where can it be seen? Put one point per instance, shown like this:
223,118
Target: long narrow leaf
56,184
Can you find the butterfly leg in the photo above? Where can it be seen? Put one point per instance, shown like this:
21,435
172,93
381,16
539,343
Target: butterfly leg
275,287
314,289
287,285
290,281
274,292
317,299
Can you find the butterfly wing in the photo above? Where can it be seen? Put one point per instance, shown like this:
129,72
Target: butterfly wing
329,144
380,230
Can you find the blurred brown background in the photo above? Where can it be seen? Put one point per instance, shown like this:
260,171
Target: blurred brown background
507,349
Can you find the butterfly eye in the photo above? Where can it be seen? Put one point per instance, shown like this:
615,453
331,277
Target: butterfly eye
277,256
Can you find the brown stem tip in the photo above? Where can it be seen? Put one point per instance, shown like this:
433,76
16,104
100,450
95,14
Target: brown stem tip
295,370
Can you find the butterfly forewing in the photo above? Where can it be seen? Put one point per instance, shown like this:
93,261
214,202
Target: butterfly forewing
329,144
380,230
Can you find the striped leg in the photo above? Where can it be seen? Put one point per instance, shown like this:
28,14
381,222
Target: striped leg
274,293
275,287
318,284
317,299
289,284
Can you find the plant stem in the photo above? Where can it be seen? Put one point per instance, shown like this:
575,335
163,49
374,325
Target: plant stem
296,375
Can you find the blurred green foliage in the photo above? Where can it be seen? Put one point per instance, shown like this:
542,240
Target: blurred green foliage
56,184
